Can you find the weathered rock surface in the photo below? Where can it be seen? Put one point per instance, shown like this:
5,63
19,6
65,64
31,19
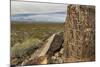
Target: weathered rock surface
56,44
79,36
58,57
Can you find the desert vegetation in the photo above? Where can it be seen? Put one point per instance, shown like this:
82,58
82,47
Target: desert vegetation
27,37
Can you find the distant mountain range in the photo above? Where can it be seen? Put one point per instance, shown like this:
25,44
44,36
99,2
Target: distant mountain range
40,17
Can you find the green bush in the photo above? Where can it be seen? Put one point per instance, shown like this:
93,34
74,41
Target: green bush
25,47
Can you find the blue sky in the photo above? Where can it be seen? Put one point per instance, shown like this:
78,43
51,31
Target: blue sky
38,12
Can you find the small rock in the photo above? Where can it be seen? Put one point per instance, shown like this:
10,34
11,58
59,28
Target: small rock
57,54
53,57
62,51
60,60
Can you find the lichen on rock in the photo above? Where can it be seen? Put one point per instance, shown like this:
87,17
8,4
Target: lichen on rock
79,36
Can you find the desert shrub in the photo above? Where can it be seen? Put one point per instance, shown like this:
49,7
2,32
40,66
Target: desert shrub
26,47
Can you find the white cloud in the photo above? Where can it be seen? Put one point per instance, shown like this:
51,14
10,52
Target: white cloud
18,7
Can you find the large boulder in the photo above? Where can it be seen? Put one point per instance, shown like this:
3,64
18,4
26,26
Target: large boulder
56,44
79,36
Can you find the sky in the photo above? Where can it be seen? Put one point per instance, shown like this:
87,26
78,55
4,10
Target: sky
38,12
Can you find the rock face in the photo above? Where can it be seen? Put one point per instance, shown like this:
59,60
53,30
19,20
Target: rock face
56,44
57,57
79,36
56,50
